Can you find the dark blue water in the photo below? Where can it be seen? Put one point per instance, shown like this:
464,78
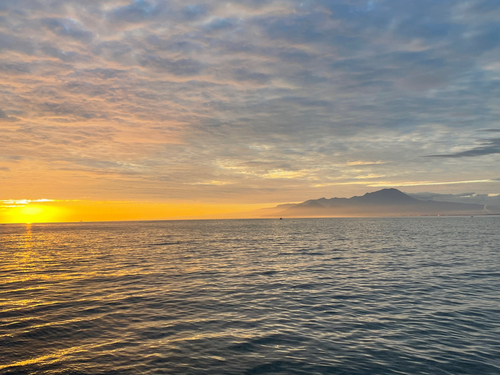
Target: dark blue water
298,296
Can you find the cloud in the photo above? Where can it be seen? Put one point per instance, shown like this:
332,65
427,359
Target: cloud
5,117
471,197
180,67
137,11
105,73
14,43
194,12
220,24
181,46
66,56
295,55
297,28
489,147
243,74
427,183
298,98
67,28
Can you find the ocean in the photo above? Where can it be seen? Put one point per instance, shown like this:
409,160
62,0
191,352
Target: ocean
372,296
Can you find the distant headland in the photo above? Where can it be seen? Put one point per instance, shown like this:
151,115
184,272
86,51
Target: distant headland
385,202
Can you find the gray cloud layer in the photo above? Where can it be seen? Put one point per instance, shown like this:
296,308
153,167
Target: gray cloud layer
283,100
491,146
460,198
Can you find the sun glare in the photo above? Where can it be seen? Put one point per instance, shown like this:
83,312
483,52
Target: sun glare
33,214
49,211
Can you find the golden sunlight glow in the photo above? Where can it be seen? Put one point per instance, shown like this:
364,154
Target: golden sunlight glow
31,214
31,211
361,162
75,211
279,173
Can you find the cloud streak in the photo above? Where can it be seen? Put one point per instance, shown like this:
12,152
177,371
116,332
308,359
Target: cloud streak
489,147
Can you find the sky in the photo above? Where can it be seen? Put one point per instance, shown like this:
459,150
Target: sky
173,108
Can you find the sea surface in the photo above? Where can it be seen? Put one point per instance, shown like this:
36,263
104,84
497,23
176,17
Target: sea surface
295,296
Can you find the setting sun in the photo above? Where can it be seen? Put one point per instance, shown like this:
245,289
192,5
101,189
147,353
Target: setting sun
33,214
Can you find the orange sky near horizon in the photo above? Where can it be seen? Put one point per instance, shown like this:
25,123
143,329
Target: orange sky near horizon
53,211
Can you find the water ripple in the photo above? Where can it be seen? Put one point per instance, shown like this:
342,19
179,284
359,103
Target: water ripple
315,296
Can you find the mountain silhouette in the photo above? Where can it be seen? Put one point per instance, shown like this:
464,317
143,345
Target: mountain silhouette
385,202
